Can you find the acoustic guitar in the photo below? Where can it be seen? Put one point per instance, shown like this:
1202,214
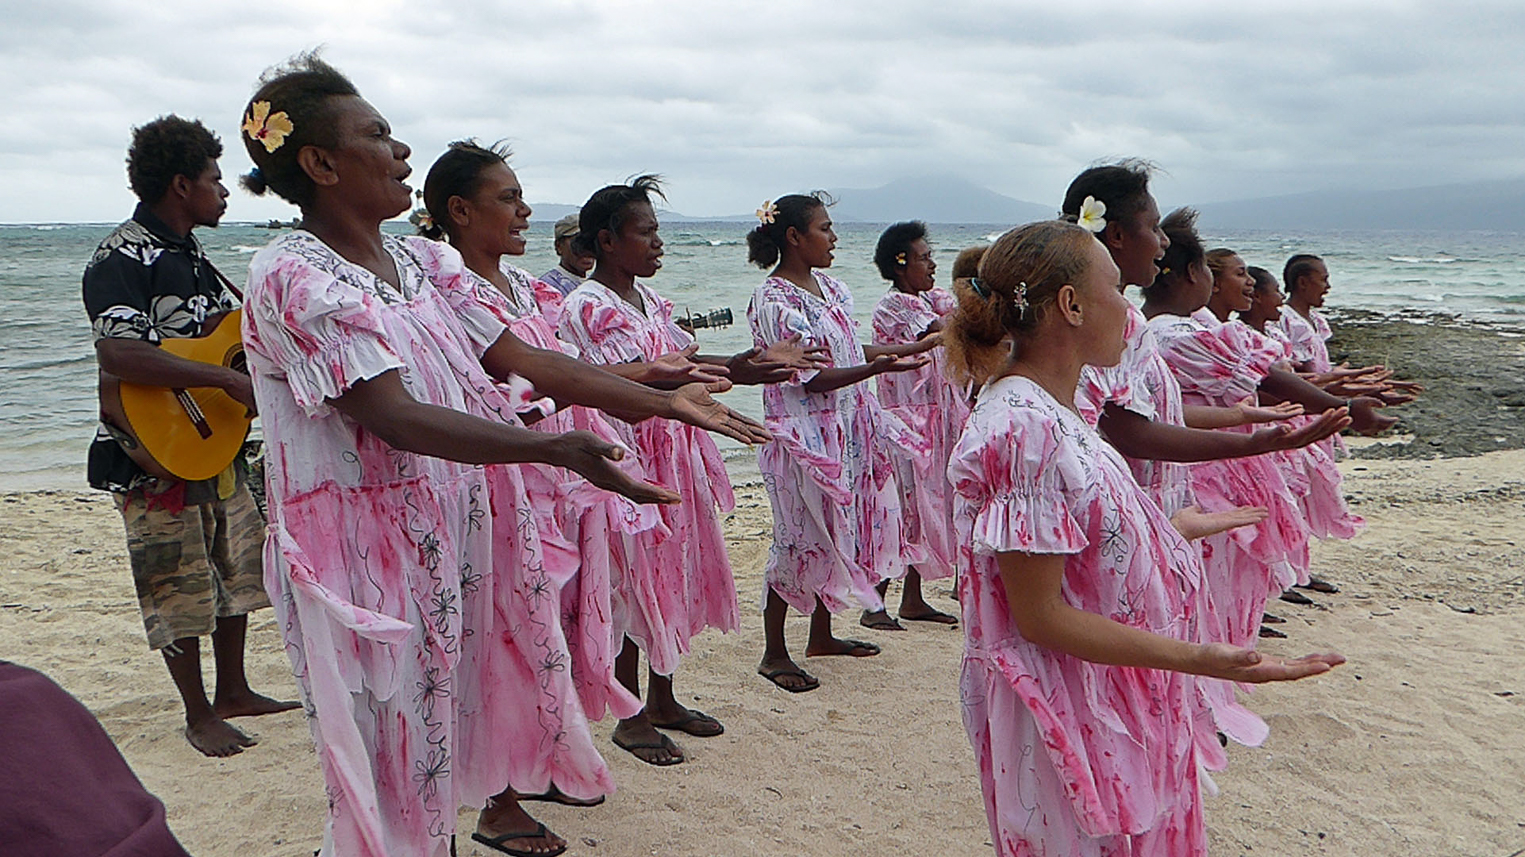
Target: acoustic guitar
188,434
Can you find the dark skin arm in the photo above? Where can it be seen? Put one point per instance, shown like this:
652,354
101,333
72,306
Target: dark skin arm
1137,436
568,380
881,358
138,362
383,407
1284,384
772,365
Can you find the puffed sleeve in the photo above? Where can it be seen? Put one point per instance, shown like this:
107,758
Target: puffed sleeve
320,332
1216,364
465,292
774,315
601,332
1020,475
900,318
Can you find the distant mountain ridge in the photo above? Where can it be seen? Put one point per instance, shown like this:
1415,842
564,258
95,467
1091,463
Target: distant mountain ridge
1495,206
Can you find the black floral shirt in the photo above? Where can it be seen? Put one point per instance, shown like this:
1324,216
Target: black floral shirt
144,282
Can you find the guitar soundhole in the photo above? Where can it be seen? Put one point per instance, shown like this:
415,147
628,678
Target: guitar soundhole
239,362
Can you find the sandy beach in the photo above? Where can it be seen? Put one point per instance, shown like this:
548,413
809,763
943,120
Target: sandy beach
1417,746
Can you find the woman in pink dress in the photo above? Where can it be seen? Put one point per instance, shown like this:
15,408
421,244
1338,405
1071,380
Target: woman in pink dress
1323,503
1137,404
829,472
929,404
1077,592
1219,365
678,585
395,534
475,201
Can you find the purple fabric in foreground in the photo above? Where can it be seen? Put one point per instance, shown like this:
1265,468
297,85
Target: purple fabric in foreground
64,787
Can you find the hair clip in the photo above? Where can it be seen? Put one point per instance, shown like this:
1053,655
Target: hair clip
268,128
1019,297
978,287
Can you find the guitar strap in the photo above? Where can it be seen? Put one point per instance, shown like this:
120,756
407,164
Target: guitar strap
227,283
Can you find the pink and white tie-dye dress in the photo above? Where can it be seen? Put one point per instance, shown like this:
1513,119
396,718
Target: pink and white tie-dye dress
931,406
1328,516
1076,759
679,580
829,470
1221,364
386,568
586,532
1143,384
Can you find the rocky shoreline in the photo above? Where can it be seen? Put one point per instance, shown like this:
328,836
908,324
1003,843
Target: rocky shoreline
1473,373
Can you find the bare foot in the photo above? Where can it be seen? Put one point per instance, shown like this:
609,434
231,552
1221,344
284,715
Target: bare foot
505,826
879,620
216,737
785,673
644,742
925,612
835,646
251,704
686,720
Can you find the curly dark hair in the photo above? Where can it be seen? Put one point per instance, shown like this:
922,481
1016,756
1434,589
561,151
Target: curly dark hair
895,241
303,88
458,172
765,243
609,208
167,147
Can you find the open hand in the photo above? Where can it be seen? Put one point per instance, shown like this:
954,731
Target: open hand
1283,436
778,362
891,363
1250,412
1364,416
1193,523
693,404
678,368
592,458
1221,660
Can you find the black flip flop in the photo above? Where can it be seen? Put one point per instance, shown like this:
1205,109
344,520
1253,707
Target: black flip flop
811,682
665,744
556,795
496,842
881,621
1292,596
936,617
1319,584
687,725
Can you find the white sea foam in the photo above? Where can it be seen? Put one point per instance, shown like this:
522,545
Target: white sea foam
1423,260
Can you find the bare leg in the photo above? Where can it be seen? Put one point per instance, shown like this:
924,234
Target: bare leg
503,815
234,698
206,731
880,620
822,642
664,711
636,734
776,664
913,605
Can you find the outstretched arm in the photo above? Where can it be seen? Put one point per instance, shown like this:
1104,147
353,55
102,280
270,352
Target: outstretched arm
1284,384
1137,436
568,380
383,407
1043,617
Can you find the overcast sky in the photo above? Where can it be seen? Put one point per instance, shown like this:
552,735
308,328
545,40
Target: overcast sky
741,101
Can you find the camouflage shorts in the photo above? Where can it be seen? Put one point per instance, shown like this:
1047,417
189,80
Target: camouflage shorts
193,566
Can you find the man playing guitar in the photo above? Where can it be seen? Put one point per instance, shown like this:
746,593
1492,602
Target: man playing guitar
195,547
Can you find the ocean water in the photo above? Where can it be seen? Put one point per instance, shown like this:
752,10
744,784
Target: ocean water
47,363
